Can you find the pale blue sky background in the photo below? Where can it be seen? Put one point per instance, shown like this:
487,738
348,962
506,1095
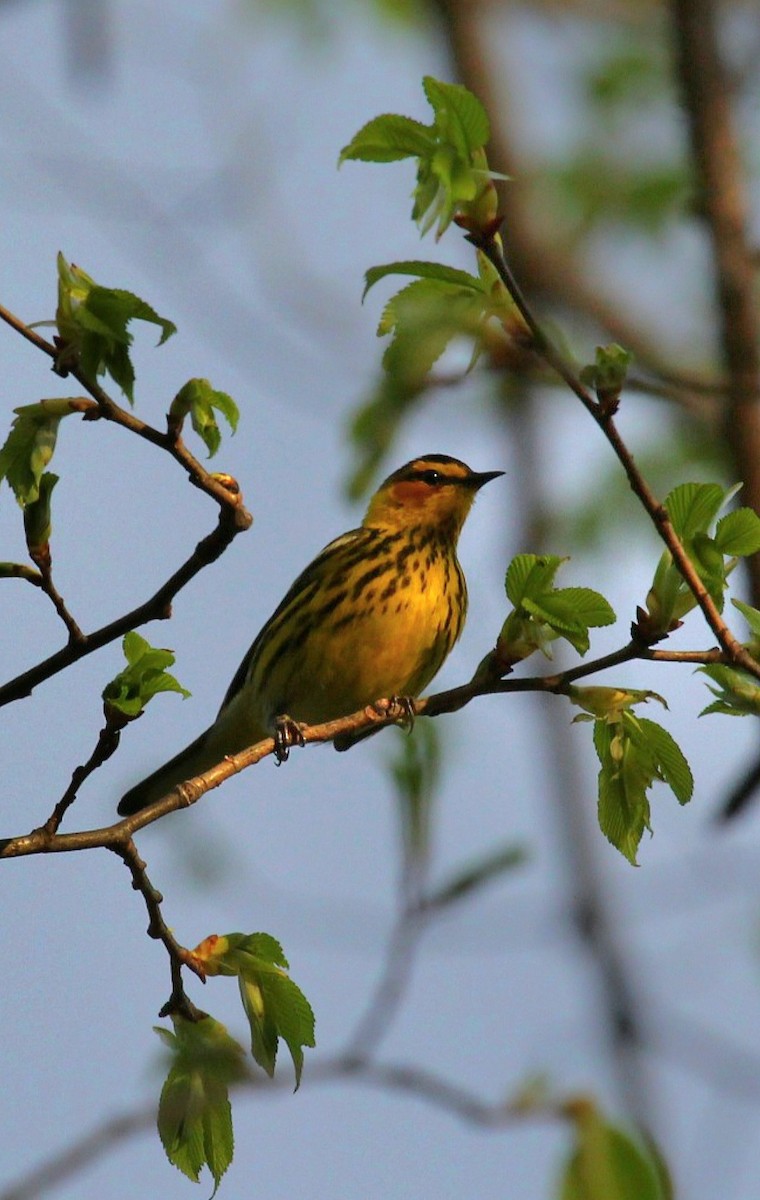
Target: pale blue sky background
199,172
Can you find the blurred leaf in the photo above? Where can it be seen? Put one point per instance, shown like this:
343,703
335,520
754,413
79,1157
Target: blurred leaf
92,326
593,188
488,869
629,76
194,1114
415,770
607,374
143,678
606,1162
198,399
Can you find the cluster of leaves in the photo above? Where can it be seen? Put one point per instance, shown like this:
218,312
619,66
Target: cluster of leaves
693,508
194,1115
634,753
144,677
542,613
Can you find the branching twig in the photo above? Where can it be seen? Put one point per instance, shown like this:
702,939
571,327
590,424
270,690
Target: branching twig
489,244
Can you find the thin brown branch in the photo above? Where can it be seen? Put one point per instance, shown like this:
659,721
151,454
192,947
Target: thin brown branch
51,591
179,957
375,716
108,741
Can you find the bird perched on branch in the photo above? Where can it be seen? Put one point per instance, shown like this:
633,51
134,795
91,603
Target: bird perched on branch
373,616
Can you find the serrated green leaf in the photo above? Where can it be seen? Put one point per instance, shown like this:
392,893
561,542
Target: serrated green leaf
424,317
673,767
531,574
389,138
194,1114
623,807
197,399
738,533
458,113
692,507
423,270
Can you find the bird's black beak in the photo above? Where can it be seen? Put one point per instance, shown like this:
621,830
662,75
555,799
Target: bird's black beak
479,478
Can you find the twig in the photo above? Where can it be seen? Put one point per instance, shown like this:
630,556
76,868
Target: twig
179,957
157,608
108,741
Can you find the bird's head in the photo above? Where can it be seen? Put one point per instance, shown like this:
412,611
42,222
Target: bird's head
434,490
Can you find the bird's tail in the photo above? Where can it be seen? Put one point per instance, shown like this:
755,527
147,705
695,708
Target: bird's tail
193,760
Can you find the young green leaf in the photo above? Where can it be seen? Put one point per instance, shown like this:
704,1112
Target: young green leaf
38,520
92,326
423,270
543,612
198,399
30,444
738,533
143,678
388,138
609,370
194,1114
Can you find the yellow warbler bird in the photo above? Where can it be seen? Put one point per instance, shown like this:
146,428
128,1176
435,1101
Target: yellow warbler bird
373,616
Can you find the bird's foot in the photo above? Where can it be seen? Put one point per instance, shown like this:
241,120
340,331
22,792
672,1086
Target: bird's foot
287,733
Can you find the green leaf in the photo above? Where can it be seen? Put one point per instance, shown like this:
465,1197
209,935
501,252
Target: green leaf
634,753
388,138
459,115
143,678
198,399
531,574
543,613
92,325
607,1163
692,507
194,1114
424,317
738,533
29,446
488,869
423,270
673,769
623,806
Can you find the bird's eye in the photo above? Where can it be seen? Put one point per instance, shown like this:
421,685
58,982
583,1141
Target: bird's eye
431,477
